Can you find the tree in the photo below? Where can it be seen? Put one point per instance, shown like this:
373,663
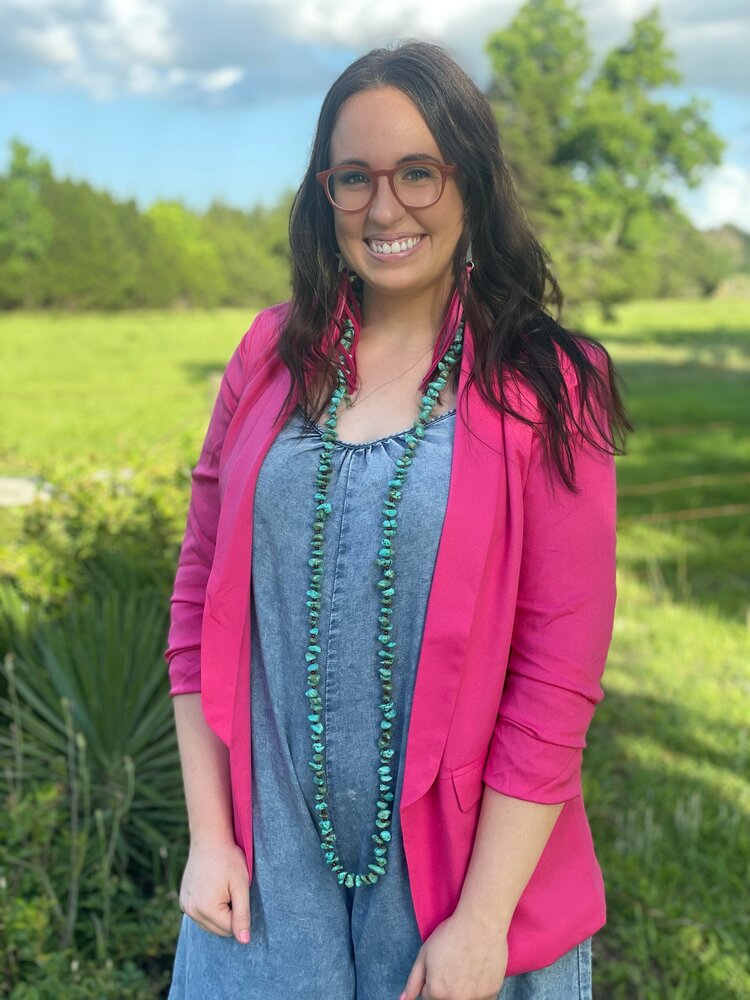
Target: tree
25,225
595,154
189,267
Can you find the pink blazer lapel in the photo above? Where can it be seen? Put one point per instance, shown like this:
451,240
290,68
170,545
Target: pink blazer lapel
477,479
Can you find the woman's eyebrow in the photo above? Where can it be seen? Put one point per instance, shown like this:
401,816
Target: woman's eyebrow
409,158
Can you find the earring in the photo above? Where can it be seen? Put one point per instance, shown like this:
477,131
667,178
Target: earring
469,258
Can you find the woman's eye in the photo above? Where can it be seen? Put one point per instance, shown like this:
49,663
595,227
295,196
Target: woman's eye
354,179
415,174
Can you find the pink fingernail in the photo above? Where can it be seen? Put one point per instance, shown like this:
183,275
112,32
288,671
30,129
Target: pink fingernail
244,937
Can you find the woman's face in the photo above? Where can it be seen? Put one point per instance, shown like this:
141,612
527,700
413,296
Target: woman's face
379,128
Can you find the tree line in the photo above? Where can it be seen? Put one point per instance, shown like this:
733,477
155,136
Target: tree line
597,153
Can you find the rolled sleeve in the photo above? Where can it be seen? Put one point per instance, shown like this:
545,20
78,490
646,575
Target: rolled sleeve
562,629
197,551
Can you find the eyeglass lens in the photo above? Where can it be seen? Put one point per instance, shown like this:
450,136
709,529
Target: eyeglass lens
417,186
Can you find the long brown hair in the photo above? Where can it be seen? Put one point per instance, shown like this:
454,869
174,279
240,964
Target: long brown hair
506,303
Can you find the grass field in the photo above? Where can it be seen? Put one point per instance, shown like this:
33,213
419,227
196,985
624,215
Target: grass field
667,773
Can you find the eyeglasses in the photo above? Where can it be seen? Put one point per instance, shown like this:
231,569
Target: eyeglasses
415,185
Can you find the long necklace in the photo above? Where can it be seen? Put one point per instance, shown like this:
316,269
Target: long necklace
387,654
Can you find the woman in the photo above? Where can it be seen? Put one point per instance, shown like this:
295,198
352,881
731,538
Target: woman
403,516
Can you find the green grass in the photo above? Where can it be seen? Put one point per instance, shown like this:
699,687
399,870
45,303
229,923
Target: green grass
109,390
667,773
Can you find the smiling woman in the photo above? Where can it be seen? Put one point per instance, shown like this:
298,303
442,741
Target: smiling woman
388,805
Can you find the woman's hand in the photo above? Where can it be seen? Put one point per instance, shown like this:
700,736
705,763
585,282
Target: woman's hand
215,889
463,959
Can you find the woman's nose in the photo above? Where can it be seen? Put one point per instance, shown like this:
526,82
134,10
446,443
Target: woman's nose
385,206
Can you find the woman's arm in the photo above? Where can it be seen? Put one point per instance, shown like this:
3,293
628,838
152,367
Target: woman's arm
183,652
214,889
215,885
511,836
467,954
205,773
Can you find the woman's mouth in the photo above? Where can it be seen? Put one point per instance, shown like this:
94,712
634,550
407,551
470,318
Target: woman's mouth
397,248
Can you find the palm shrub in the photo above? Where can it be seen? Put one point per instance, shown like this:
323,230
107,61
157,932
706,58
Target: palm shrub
101,660
92,829
17,619
72,925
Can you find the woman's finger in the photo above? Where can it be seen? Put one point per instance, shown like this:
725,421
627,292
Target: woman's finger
240,912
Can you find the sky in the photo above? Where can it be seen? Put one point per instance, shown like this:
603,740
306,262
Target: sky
199,101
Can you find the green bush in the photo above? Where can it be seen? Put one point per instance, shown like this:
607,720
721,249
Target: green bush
103,659
124,526
72,916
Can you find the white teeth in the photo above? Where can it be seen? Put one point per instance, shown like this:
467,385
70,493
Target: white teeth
397,246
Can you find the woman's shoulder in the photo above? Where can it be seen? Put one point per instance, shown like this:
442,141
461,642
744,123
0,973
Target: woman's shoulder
268,322
258,341
564,366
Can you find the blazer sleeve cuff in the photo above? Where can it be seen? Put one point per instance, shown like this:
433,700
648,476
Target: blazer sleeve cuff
525,767
185,672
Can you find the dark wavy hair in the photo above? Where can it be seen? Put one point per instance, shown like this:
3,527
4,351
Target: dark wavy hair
506,303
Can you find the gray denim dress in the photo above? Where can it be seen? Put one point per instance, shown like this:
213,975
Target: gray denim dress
311,937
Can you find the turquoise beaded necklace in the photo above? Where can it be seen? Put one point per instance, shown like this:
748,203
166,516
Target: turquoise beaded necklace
387,654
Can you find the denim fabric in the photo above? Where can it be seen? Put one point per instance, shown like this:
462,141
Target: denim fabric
312,937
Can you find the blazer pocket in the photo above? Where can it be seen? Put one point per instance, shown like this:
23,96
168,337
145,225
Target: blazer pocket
468,784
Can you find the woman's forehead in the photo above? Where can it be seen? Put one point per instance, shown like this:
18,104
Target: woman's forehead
376,124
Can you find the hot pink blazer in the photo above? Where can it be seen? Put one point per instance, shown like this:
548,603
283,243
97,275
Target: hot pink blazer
517,629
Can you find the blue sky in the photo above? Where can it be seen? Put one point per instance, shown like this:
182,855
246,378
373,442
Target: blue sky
179,99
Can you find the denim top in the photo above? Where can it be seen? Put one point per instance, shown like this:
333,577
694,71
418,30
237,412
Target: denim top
350,685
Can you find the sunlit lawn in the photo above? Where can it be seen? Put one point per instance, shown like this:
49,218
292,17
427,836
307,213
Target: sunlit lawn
108,390
668,770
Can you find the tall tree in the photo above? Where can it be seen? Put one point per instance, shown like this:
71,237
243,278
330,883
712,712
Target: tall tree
25,224
597,154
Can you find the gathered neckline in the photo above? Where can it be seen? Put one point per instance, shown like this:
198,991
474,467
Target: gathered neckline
380,440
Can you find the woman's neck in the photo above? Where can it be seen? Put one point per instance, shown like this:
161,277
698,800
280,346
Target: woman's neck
407,321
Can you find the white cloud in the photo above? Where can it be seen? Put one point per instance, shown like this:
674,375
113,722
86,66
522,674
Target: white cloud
54,44
124,30
723,197
220,79
284,47
362,25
